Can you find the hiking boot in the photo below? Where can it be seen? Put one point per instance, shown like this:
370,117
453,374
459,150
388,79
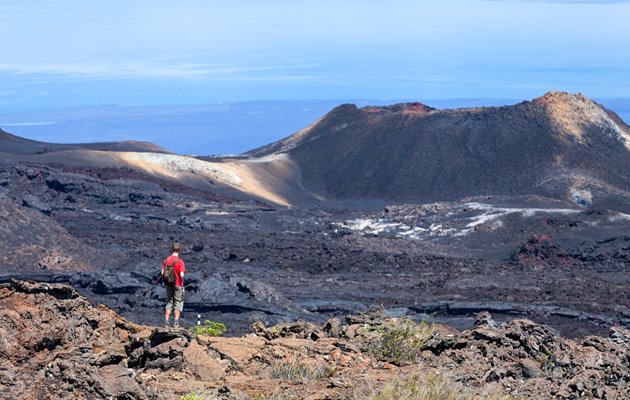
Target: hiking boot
167,325
176,324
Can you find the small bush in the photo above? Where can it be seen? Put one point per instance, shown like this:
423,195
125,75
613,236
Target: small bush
209,328
193,396
398,340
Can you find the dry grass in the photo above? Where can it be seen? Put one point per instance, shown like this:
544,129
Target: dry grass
429,386
279,395
295,371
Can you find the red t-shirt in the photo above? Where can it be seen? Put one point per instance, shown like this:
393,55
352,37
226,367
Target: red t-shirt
179,267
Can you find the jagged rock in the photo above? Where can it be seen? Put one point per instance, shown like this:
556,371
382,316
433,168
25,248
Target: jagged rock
301,330
105,283
114,283
619,335
61,292
36,203
372,318
67,183
529,369
333,328
202,366
56,345
264,292
117,382
485,319
239,352
88,351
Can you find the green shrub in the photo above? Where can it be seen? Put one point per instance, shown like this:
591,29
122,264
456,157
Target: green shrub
192,396
209,328
398,340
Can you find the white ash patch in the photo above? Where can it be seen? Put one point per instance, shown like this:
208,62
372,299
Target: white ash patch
455,222
373,226
187,164
215,212
491,215
619,217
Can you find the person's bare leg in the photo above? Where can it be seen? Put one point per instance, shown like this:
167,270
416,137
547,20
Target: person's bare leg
177,314
167,315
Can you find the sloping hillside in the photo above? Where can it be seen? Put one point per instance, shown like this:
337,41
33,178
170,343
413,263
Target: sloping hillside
33,241
556,145
561,146
13,144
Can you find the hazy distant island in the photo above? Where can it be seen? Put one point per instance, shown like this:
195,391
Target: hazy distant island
227,128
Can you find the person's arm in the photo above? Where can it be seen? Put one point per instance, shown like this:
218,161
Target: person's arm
182,270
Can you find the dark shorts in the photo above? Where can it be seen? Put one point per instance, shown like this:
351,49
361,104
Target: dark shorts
175,298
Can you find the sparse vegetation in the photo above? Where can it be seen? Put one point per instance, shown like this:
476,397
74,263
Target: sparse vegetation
194,396
209,328
429,387
278,395
398,340
296,371
548,362
213,394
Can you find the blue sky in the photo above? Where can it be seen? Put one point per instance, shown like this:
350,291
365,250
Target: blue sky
78,52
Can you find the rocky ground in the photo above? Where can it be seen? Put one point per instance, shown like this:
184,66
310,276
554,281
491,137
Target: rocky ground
55,344
263,248
105,231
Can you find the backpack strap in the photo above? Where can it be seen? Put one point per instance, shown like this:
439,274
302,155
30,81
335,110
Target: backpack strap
174,263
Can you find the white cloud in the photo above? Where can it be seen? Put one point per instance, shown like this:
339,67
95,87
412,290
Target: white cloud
148,69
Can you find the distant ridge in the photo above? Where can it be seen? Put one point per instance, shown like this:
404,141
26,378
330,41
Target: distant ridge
553,145
6,137
13,144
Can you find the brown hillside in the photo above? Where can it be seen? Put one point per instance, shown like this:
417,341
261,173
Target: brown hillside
554,145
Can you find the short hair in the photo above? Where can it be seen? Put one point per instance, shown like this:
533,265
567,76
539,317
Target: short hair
176,247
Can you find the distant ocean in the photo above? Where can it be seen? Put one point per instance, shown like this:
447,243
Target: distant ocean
229,128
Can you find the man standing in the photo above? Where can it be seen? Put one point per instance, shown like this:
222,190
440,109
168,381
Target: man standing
173,269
